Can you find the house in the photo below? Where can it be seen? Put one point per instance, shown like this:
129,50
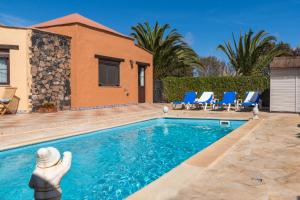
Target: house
285,84
74,62
38,64
107,67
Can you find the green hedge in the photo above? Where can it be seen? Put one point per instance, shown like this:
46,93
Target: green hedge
174,87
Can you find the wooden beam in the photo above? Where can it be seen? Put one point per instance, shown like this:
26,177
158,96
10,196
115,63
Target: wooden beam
142,63
8,46
109,58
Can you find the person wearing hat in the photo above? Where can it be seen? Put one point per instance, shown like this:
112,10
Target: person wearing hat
50,168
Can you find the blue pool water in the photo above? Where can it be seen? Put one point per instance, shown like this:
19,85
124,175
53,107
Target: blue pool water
114,163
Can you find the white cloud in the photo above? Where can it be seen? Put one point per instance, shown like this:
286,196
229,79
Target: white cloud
189,38
11,20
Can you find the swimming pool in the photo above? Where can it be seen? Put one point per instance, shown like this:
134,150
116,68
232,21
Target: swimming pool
116,162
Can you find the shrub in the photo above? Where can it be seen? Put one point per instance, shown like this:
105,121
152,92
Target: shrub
48,105
174,87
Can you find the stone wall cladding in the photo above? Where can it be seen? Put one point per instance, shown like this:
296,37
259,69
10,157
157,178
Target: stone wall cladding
49,56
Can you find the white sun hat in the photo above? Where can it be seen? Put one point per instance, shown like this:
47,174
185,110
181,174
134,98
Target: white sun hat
47,157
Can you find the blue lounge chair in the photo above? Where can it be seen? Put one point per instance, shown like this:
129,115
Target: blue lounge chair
205,99
229,98
188,100
252,99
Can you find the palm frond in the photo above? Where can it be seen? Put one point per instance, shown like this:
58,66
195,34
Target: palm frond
251,53
170,52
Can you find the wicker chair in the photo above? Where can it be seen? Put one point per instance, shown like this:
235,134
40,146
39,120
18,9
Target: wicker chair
6,99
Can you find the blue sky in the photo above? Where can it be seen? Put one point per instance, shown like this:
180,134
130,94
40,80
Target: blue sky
204,23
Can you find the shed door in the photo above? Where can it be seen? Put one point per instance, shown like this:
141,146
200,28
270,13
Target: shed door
283,90
298,91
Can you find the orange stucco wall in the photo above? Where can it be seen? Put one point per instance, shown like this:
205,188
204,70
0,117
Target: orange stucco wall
85,43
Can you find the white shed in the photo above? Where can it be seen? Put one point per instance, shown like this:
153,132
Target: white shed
285,84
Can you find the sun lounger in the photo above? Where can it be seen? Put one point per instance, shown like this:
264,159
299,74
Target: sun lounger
252,99
229,99
205,99
189,99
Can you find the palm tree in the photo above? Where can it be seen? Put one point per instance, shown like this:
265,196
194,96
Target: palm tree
252,53
171,55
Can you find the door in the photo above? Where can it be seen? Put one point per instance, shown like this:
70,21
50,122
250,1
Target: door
141,84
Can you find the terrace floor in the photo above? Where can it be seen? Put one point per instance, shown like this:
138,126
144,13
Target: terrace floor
261,162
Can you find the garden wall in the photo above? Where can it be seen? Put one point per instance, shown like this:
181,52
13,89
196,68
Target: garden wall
174,87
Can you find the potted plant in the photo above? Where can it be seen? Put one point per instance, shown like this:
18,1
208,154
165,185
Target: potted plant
47,108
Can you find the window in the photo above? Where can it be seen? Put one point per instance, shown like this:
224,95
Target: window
109,71
4,67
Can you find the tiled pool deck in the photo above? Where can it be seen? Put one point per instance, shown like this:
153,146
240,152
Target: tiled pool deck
260,160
